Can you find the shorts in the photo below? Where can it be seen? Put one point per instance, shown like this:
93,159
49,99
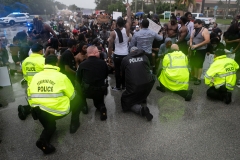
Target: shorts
198,58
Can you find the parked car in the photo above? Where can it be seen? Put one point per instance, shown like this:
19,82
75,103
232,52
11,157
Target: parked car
15,17
207,20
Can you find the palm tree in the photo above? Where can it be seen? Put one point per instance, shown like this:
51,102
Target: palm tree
186,2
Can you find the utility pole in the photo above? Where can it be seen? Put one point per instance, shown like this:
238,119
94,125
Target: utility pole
142,5
203,3
135,6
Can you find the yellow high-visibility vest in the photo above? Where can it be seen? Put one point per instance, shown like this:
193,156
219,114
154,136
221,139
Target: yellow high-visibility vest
175,73
51,91
222,72
32,65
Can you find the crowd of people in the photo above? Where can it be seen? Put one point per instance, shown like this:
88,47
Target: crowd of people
62,71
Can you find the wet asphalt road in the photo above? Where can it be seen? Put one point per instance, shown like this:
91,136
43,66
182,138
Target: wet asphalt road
202,129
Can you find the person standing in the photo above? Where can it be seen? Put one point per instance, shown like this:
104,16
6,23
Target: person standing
139,83
182,35
50,93
221,77
189,24
198,44
91,76
120,37
143,39
217,30
172,29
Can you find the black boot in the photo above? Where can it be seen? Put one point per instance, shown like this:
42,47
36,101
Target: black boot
228,98
189,95
103,111
23,111
197,82
146,113
85,109
47,148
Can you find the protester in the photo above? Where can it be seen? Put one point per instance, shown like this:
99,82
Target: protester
172,29
198,43
120,37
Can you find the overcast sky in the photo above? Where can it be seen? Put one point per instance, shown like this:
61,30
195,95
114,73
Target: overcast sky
82,3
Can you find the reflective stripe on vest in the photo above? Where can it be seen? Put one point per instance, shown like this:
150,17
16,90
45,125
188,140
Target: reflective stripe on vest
173,67
227,85
46,95
178,82
51,110
207,76
31,73
71,98
225,75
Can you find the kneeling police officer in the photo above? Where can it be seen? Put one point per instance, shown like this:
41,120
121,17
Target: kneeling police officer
50,93
91,76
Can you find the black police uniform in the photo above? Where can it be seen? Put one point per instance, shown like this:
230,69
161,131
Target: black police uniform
139,81
91,76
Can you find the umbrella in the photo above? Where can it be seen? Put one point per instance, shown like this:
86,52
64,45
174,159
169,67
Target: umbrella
139,13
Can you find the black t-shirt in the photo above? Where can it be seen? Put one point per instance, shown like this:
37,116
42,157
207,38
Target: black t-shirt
67,58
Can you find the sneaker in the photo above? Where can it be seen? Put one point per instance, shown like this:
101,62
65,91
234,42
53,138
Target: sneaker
146,113
189,95
228,98
21,112
74,128
197,82
85,110
103,112
160,89
45,147
116,89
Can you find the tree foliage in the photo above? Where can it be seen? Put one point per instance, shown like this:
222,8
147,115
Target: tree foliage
30,6
110,5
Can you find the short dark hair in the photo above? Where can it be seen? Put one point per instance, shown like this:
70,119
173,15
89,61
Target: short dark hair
215,40
145,23
120,22
36,47
71,43
199,21
173,17
184,19
187,13
219,52
80,46
51,59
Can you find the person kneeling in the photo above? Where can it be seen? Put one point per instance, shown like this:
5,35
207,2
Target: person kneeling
221,77
175,74
139,82
49,94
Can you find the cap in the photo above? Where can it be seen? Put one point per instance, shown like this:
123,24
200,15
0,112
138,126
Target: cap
36,47
75,31
133,49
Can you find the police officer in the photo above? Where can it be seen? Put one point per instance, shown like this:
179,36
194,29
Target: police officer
175,74
91,76
221,77
139,83
49,94
30,66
